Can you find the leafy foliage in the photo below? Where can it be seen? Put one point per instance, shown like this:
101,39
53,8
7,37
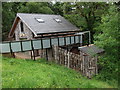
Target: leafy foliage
36,8
58,8
8,17
108,38
77,20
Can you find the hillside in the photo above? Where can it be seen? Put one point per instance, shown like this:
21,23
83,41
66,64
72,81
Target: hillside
18,73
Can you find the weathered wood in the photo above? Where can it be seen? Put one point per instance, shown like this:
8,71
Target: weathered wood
46,54
68,59
85,64
11,51
33,50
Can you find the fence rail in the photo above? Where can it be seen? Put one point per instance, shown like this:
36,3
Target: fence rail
85,64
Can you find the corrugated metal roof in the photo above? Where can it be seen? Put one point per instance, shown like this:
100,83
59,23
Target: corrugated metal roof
49,24
91,50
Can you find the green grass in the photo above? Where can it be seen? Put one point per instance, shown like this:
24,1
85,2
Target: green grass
17,73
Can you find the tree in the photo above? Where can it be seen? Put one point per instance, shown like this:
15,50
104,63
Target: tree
7,18
57,8
35,7
91,12
108,38
85,15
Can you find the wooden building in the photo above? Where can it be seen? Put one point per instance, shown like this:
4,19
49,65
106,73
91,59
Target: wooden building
34,26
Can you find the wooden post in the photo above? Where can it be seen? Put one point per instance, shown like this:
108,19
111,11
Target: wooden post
96,65
42,46
65,40
70,39
87,66
46,54
58,41
31,55
68,59
11,51
83,63
33,49
59,54
51,47
10,48
21,46
55,53
65,58
58,50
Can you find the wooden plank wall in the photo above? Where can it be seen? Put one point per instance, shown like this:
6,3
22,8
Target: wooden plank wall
85,64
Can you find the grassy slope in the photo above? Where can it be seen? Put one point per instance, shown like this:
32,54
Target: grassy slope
41,74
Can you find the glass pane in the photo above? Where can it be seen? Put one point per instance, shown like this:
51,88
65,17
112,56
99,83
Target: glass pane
81,39
16,46
26,45
67,40
40,20
46,43
37,44
72,40
58,20
5,48
61,41
55,41
77,39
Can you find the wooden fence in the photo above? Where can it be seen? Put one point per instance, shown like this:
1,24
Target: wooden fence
85,64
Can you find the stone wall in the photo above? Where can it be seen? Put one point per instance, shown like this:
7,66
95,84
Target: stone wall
17,33
27,31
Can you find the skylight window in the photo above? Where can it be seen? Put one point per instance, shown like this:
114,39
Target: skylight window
40,20
58,20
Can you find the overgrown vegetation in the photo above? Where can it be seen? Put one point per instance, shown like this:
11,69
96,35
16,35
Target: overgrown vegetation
17,73
107,37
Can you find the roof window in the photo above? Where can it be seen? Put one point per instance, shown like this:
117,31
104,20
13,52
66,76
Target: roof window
58,20
40,20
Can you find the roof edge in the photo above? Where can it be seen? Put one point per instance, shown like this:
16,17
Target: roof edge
10,35
27,25
17,19
39,14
